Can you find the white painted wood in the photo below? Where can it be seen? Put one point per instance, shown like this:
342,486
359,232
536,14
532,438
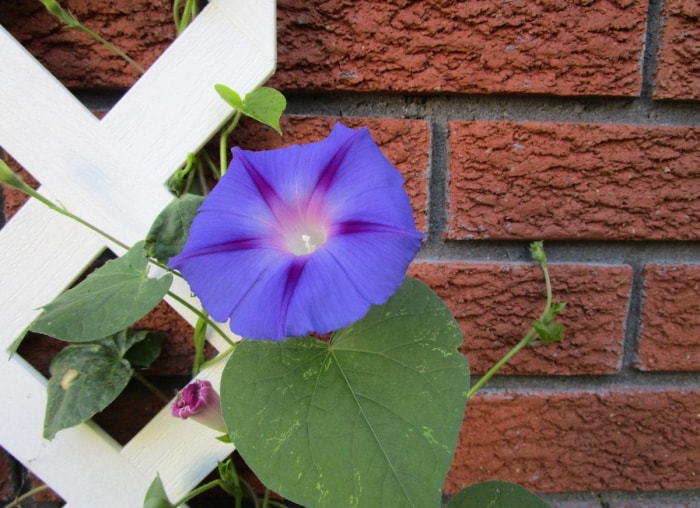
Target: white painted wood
112,173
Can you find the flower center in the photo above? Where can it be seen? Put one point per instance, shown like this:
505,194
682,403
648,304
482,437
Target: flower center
305,238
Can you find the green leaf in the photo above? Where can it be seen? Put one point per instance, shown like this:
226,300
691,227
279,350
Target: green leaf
496,494
230,96
264,104
156,496
170,230
370,419
548,331
144,353
112,298
86,378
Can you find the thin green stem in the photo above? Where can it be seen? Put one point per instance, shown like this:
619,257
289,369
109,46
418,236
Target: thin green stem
17,502
223,142
111,46
217,358
202,315
525,341
548,286
151,387
176,15
199,490
36,195
202,179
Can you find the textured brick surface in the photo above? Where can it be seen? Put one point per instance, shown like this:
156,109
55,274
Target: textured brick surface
495,305
670,338
624,440
141,28
406,143
7,475
678,67
573,181
555,47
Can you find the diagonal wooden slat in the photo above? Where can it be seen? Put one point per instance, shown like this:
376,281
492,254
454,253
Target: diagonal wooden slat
112,173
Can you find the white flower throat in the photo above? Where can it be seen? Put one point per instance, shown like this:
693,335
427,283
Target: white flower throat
305,238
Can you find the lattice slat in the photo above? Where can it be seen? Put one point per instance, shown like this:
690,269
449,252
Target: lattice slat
111,172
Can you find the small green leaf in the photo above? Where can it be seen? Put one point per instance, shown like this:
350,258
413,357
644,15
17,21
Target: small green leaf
496,494
548,332
144,353
112,298
170,230
230,96
547,329
370,419
229,477
156,496
265,105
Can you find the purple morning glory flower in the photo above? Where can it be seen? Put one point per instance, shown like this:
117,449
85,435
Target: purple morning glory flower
301,239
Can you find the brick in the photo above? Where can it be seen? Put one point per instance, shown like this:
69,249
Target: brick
573,181
670,337
495,305
627,440
553,47
7,476
678,67
406,143
12,198
143,29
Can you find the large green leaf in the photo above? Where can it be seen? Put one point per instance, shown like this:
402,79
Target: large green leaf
86,378
110,299
370,419
171,228
496,494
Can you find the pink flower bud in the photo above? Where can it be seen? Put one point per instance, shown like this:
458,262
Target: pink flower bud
200,401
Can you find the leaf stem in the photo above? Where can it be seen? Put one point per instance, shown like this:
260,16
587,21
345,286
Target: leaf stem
223,141
151,387
202,315
111,46
525,341
43,199
217,358
17,502
199,490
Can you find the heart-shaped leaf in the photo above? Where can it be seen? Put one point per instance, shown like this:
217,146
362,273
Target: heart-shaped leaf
86,378
370,419
496,494
110,299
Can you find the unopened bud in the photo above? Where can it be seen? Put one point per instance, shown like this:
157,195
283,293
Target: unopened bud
537,252
55,8
9,177
199,401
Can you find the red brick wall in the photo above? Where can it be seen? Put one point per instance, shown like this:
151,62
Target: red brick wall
576,122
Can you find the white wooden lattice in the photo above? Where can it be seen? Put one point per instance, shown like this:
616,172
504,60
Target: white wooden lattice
111,172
